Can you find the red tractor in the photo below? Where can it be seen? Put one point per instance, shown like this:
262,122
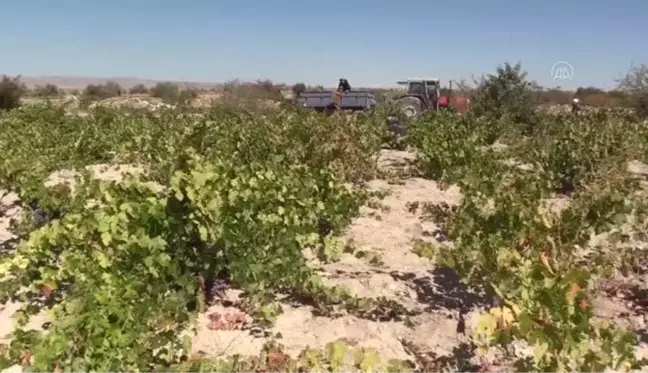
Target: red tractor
425,94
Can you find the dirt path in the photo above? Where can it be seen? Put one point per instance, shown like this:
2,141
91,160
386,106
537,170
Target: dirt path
381,265
388,268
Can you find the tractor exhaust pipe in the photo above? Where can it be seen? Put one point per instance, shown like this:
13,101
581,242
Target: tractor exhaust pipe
449,94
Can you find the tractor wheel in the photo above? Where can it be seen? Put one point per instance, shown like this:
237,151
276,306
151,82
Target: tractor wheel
410,107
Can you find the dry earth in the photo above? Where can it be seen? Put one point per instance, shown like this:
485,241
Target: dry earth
80,82
437,303
139,101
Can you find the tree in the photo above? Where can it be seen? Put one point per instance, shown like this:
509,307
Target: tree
586,91
261,89
139,89
268,90
11,91
48,90
507,94
102,91
298,88
635,86
554,96
167,91
113,89
187,95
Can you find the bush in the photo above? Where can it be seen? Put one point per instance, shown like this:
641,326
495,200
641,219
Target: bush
166,91
10,92
139,90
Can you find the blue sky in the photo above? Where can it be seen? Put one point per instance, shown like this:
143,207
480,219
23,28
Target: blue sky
370,42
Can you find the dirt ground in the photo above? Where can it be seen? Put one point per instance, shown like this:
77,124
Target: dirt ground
438,304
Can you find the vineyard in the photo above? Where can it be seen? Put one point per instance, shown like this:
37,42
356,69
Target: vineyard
222,239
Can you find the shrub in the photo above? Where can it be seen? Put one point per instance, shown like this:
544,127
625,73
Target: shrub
10,92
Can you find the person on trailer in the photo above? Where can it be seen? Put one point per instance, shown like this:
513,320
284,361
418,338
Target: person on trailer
344,86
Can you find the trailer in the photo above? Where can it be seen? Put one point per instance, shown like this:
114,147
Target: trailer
324,101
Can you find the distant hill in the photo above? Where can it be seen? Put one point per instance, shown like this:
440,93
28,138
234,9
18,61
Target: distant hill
80,82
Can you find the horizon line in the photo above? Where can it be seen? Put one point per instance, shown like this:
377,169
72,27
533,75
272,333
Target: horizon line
213,83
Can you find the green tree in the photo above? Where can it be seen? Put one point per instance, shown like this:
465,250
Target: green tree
48,90
113,89
167,91
298,88
11,91
103,91
635,85
138,89
507,94
187,95
268,90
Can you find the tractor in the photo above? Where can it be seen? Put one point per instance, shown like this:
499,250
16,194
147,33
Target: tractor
420,95
423,94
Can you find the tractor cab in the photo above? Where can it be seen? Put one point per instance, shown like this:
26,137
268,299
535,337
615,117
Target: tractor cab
427,90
